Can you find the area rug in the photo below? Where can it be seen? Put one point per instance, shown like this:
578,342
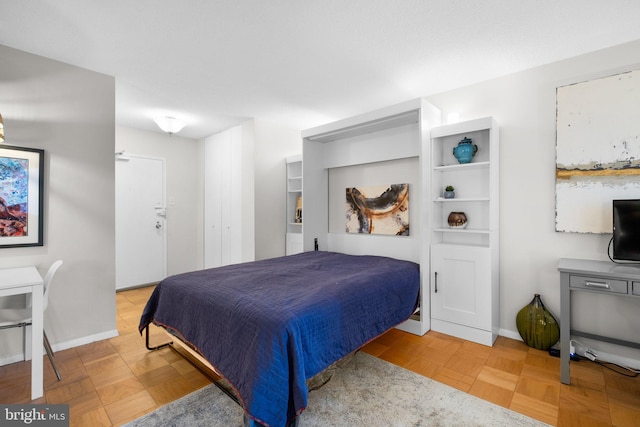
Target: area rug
367,392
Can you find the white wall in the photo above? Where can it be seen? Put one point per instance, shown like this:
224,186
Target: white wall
273,143
70,113
524,106
184,191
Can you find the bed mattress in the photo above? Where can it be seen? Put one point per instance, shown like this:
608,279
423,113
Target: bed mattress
268,326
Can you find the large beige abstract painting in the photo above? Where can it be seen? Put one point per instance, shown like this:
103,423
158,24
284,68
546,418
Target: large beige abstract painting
382,209
598,150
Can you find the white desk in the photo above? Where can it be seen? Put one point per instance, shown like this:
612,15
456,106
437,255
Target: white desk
27,280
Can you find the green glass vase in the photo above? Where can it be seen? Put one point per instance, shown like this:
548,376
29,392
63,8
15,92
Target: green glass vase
537,326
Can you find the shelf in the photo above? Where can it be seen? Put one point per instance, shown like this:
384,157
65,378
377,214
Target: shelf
459,245
462,166
461,199
293,239
462,230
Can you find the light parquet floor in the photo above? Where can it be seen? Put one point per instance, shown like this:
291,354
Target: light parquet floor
111,382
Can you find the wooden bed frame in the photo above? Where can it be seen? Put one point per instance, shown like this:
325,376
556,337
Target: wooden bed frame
186,351
203,365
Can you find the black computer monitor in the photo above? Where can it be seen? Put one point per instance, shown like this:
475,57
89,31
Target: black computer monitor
626,230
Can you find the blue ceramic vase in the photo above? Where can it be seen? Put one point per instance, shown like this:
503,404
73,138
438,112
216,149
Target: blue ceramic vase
465,150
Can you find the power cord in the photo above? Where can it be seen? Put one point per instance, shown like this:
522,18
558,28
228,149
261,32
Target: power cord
590,354
622,370
613,260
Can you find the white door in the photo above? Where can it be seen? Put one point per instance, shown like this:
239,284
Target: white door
141,248
461,285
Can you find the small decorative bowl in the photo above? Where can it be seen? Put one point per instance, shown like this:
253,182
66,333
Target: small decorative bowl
457,220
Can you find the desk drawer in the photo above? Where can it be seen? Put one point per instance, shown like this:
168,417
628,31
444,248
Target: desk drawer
635,289
599,284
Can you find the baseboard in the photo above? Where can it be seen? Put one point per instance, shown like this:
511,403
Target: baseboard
415,327
466,333
626,360
14,358
510,334
84,340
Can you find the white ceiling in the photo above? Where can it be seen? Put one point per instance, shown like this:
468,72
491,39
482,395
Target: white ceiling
303,63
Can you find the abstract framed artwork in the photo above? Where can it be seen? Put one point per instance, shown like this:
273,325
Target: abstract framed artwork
21,196
382,209
597,150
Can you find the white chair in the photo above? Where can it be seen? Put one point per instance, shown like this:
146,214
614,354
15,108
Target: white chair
20,317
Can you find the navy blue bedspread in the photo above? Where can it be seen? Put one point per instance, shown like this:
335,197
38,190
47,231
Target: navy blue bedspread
267,326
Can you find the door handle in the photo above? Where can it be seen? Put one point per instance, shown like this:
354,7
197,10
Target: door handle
436,282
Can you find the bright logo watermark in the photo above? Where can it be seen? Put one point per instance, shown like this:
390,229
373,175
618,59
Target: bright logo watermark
34,415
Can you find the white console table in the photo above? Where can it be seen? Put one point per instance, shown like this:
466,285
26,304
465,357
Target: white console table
601,277
27,280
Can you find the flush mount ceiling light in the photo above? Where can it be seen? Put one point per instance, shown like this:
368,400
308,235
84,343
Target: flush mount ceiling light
169,124
1,129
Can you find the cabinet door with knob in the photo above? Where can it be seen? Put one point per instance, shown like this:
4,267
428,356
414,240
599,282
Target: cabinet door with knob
461,286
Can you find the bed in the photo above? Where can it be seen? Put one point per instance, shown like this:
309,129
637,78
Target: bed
268,326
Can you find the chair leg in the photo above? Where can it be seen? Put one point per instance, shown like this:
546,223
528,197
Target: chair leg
49,351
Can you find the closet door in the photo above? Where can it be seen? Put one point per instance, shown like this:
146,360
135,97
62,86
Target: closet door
216,176
233,207
224,206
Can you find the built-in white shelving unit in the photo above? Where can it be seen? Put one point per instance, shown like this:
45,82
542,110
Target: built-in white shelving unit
294,216
464,261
